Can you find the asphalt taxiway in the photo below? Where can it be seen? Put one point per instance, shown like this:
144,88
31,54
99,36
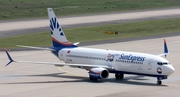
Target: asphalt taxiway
34,80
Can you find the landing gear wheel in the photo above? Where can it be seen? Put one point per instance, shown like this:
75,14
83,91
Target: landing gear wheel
119,76
91,78
159,82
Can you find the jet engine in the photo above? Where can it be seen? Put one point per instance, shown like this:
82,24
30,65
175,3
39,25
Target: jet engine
98,73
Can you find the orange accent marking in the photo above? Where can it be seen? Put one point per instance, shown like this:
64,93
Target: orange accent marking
63,43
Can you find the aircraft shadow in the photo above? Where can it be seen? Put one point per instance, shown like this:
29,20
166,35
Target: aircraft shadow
130,80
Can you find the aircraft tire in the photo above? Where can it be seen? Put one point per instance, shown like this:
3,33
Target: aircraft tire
119,75
159,82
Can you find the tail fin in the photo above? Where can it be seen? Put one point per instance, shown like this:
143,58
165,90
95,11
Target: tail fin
58,37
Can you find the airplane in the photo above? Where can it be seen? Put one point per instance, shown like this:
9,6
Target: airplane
100,62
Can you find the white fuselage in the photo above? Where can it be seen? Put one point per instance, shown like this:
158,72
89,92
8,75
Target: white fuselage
121,60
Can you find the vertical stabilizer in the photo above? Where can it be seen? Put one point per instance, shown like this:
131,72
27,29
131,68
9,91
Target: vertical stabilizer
58,37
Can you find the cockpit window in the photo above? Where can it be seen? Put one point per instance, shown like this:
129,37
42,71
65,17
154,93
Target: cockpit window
163,63
159,63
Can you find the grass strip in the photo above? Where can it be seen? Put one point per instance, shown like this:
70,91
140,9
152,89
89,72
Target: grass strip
86,34
18,9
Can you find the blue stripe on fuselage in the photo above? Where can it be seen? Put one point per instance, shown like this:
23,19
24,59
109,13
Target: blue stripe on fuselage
57,49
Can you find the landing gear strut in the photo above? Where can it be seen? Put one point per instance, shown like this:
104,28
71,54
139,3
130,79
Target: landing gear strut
119,75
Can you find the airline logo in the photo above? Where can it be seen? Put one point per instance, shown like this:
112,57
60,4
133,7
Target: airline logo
131,58
54,25
110,57
159,70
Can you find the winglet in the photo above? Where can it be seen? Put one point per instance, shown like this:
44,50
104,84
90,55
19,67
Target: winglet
9,57
165,47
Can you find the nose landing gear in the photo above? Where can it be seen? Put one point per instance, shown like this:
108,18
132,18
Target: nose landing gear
159,82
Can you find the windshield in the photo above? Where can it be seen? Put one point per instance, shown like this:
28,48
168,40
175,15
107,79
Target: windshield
163,63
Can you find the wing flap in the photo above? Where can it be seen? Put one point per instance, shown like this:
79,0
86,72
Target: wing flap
76,43
67,64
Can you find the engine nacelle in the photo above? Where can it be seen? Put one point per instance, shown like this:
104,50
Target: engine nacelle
98,73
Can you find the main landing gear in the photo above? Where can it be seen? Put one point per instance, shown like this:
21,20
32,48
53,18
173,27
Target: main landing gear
93,79
119,75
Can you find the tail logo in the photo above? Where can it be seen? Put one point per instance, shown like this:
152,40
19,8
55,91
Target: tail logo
54,26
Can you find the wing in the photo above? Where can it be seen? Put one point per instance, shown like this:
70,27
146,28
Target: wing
88,66
39,48
84,66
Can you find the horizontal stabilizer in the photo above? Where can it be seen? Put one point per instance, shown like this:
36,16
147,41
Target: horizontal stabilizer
76,43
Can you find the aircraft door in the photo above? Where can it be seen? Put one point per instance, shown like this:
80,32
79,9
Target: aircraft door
61,55
140,66
149,65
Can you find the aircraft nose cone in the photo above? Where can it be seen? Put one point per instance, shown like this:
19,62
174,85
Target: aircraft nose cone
170,70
